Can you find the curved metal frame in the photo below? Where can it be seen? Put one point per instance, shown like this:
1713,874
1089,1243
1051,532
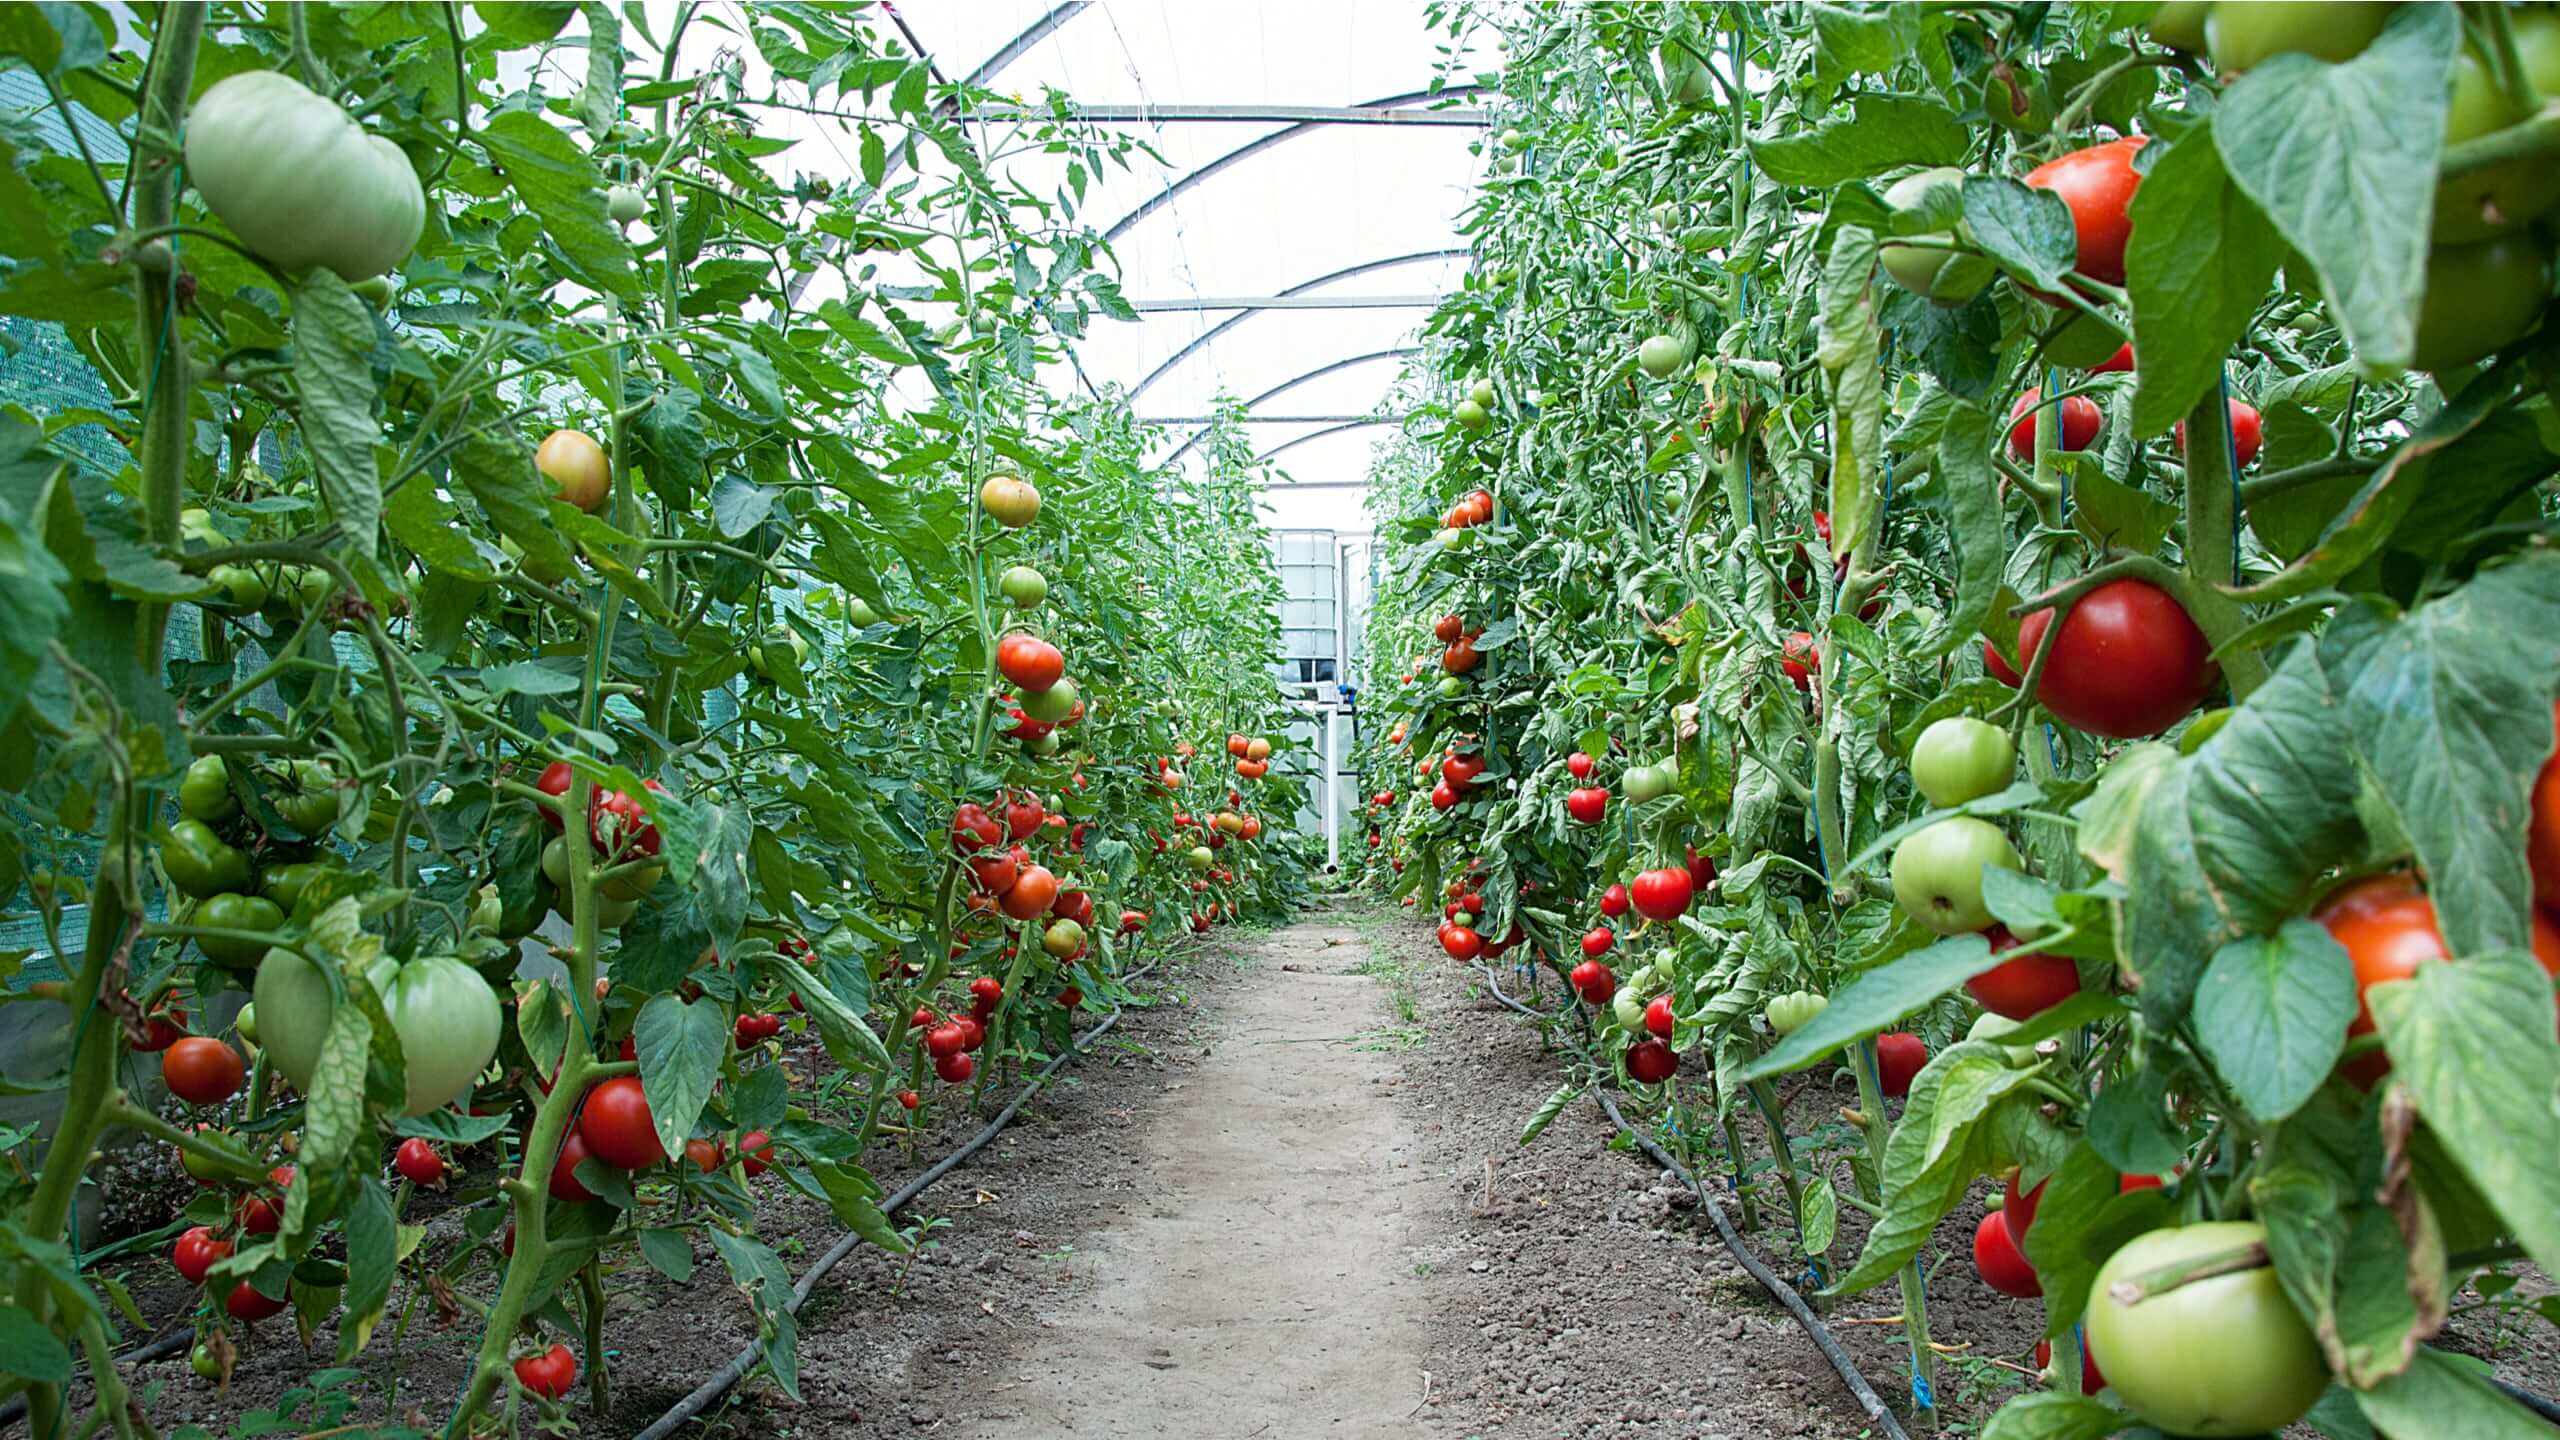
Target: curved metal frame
1295,381
1223,326
1247,151
1371,421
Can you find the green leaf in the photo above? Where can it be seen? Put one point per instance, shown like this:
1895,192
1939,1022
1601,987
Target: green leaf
542,1024
34,1352
1967,497
599,102
669,1252
2272,1014
1847,348
2027,230
908,96
2129,1122
373,1251
2052,1415
1547,1111
841,1029
1883,132
2343,159
1874,1002
667,439
875,158
51,37
426,522
2450,710
2472,1041
333,341
2198,267
332,1115
680,1047
562,187
1941,1143
31,583
496,466
2441,1394
524,22
2118,516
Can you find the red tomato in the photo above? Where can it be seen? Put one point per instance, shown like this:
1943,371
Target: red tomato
1650,1062
1460,658
202,1070
1702,870
1613,901
2003,1267
195,1253
2081,420
1460,942
755,1153
617,1126
2091,1382
1032,893
1662,894
2096,183
1598,940
1588,805
1029,663
1899,1056
2023,986
1446,630
1479,507
955,1069
1594,982
2020,1209
549,1374
2542,836
972,828
1075,905
1800,658
2120,363
1578,765
555,783
1999,668
418,1162
2129,662
1022,815
1443,795
705,1154
247,1305
2127,1184
1658,1017
2246,433
564,1170
2389,930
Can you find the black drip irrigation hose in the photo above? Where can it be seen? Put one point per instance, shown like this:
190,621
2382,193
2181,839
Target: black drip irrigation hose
710,1391
1779,1290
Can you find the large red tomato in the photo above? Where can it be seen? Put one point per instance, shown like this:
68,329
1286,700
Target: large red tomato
2129,662
549,1374
2003,1267
1028,662
2097,183
1033,892
1662,894
1460,942
2389,929
1613,901
202,1070
1588,805
2081,420
1650,1062
2023,986
2248,432
617,1126
196,1252
1899,1057
2542,837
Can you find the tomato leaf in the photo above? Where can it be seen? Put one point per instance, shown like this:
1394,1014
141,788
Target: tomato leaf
1882,132
34,1351
599,102
2342,158
333,342
372,1259
2052,1415
668,1251
1874,1002
1938,1147
1847,350
2129,1121
560,184
495,465
2444,1394
2472,1041
680,1048
2198,265
1967,497
31,583
2027,230
2272,1014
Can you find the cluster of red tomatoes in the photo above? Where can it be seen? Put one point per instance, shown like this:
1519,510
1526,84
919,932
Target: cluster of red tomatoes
258,1211
1459,938
1461,657
1473,510
952,1040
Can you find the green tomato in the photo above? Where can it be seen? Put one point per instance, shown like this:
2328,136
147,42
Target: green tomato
1628,1006
2502,197
195,523
299,180
1960,758
308,800
1199,857
555,862
1659,355
859,614
246,1022
231,911
1648,783
781,651
2223,1356
625,203
1794,1010
1514,141
1482,393
1047,745
1052,705
287,884
630,885
242,587
1452,686
1994,1029
376,292
199,863
1937,873
1946,276
2179,24
205,792
1024,586
201,1360
2240,33
1453,538
1062,939
2480,299
1472,415
446,1017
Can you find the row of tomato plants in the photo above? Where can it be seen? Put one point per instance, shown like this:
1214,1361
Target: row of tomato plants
604,664
2004,551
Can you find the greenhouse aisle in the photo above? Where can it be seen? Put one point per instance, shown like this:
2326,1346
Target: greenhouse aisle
1267,1289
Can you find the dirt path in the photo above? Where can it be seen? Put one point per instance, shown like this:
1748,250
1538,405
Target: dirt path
1261,1285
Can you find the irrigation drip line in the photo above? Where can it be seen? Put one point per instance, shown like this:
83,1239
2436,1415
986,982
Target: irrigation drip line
739,1364
1780,1290
160,1349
